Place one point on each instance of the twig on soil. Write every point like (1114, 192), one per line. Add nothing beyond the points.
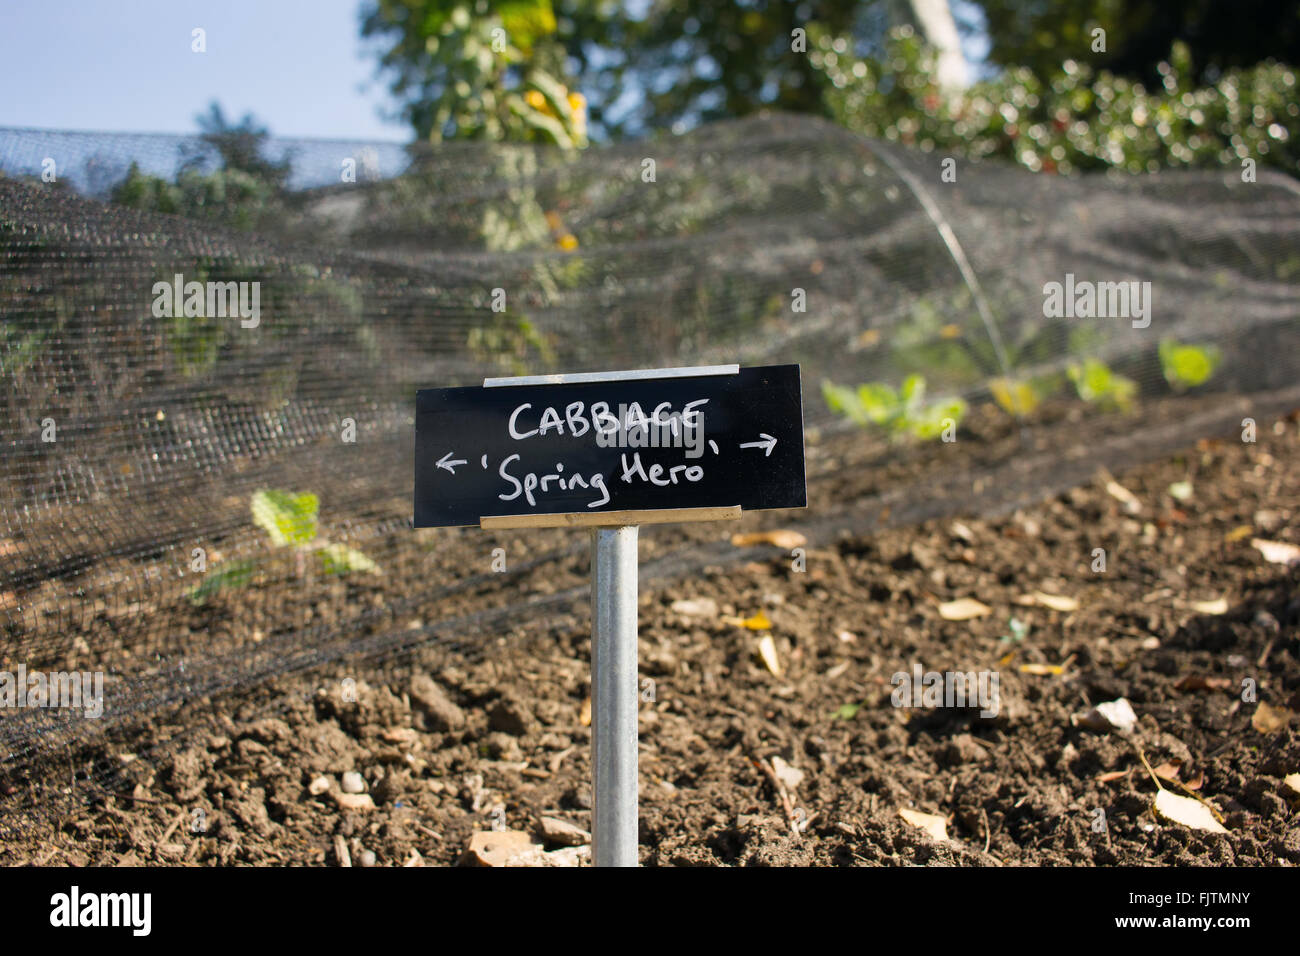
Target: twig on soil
(131, 796)
(1143, 758)
(1268, 649)
(559, 759)
(786, 803)
(988, 834)
(172, 829)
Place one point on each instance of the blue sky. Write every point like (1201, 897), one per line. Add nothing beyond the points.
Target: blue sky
(298, 65)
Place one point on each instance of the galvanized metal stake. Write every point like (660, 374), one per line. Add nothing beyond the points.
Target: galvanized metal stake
(614, 695)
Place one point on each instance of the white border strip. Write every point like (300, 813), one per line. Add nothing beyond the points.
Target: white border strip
(575, 378)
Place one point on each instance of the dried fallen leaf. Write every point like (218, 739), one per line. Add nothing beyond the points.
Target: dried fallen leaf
(1268, 719)
(1123, 496)
(1186, 811)
(584, 715)
(1042, 670)
(696, 607)
(963, 609)
(838, 670)
(790, 776)
(937, 827)
(1057, 602)
(1277, 552)
(1200, 682)
(959, 530)
(1215, 608)
(778, 539)
(767, 651)
(1168, 770)
(1112, 715)
(759, 622)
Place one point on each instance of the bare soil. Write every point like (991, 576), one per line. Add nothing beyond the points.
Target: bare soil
(1025, 787)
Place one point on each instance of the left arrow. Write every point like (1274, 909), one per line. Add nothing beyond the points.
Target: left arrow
(449, 465)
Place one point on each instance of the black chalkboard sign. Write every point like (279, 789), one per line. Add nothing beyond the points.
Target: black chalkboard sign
(625, 444)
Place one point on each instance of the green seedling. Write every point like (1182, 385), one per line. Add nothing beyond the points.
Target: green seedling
(290, 521)
(1187, 366)
(899, 412)
(1014, 397)
(1019, 631)
(847, 711)
(1097, 384)
(232, 574)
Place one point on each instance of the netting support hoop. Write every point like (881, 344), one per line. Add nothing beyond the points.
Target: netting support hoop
(958, 254)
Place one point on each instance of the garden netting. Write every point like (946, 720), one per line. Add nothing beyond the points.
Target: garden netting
(137, 440)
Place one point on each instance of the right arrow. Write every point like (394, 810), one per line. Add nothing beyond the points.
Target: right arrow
(768, 444)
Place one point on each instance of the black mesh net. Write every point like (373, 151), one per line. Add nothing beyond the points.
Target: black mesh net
(135, 442)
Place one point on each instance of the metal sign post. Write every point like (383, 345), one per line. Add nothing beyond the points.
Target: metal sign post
(615, 700)
(624, 445)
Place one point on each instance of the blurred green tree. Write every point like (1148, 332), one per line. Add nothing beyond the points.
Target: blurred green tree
(245, 189)
(483, 69)
(1218, 34)
(654, 65)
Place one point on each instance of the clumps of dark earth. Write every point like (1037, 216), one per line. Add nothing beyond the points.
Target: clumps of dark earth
(768, 732)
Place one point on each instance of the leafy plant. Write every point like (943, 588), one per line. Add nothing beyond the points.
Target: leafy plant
(232, 574)
(901, 411)
(290, 520)
(1096, 383)
(1187, 366)
(1015, 397)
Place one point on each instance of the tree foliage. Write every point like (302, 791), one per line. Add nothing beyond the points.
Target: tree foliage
(1218, 34)
(479, 69)
(243, 189)
(1073, 118)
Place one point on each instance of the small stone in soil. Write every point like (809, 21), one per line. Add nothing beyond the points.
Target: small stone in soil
(440, 712)
(354, 801)
(353, 782)
(509, 717)
(559, 832)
